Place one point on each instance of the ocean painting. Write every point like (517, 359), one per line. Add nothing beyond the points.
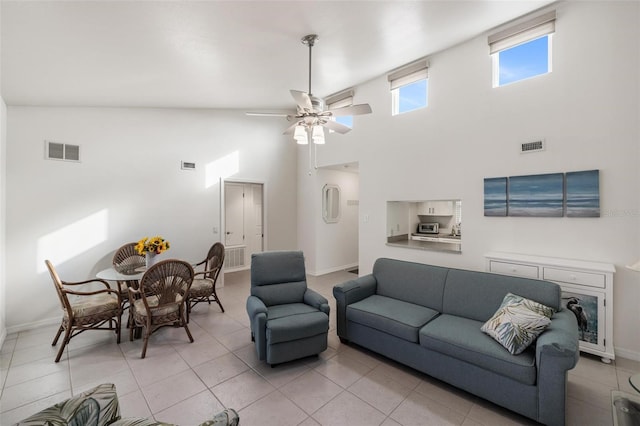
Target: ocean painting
(537, 195)
(495, 196)
(583, 194)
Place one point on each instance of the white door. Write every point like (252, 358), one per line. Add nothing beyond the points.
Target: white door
(257, 235)
(234, 214)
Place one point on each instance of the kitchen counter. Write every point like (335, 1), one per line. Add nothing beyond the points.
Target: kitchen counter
(442, 242)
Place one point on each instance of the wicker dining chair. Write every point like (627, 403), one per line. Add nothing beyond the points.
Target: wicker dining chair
(203, 288)
(160, 299)
(89, 310)
(127, 259)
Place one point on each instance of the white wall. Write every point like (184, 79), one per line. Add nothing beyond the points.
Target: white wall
(3, 162)
(586, 109)
(129, 184)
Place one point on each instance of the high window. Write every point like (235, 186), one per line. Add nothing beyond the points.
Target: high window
(523, 50)
(409, 87)
(341, 100)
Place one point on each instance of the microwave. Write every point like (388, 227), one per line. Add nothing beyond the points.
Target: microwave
(428, 228)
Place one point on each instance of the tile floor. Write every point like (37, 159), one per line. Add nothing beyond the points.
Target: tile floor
(187, 383)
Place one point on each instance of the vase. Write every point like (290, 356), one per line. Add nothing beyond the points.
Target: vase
(150, 258)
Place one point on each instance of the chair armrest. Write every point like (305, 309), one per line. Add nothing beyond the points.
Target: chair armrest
(315, 299)
(557, 351)
(348, 293)
(95, 280)
(210, 271)
(257, 311)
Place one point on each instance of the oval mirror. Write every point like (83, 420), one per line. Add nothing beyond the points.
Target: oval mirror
(331, 203)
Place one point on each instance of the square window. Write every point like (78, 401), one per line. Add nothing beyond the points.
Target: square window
(410, 97)
(523, 61)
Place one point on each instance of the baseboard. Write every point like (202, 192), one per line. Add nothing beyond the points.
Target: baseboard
(628, 354)
(330, 270)
(33, 325)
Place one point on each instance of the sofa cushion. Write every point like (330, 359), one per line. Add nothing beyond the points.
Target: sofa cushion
(297, 326)
(515, 326)
(411, 282)
(279, 311)
(461, 338)
(477, 295)
(398, 318)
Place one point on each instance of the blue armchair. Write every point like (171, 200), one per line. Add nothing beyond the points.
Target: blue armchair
(288, 320)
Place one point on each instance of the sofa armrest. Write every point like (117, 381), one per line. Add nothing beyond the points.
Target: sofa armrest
(348, 293)
(257, 311)
(315, 299)
(557, 351)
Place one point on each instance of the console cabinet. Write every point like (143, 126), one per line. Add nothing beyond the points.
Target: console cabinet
(587, 291)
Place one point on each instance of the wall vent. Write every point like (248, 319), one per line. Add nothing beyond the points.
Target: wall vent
(353, 202)
(234, 257)
(62, 151)
(534, 146)
(187, 165)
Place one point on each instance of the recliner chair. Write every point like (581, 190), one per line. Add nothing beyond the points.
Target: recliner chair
(288, 320)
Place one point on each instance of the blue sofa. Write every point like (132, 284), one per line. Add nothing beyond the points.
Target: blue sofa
(429, 318)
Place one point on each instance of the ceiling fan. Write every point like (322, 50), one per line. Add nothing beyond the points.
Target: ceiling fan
(311, 116)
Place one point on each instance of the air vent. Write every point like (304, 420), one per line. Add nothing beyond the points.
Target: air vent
(62, 151)
(534, 146)
(234, 257)
(186, 165)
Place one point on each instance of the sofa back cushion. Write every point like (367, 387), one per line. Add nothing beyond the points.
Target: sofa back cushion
(477, 295)
(410, 282)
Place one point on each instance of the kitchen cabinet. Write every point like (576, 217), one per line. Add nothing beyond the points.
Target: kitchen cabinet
(587, 291)
(436, 208)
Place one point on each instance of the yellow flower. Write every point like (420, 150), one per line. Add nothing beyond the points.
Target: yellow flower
(155, 244)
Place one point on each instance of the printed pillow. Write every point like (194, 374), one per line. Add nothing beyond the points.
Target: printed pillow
(536, 307)
(515, 327)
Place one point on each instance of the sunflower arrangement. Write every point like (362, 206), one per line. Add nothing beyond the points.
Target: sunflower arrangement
(155, 245)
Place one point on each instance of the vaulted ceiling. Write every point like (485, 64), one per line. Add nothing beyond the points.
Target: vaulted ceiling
(221, 54)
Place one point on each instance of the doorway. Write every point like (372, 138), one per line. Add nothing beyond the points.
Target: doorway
(243, 223)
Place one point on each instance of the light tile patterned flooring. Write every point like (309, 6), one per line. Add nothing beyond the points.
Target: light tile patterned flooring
(187, 383)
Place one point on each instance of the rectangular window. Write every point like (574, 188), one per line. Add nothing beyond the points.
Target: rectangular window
(341, 100)
(523, 50)
(409, 87)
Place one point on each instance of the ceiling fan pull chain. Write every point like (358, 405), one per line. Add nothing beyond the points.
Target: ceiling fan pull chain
(310, 161)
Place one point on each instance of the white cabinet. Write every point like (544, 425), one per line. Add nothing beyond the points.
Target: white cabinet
(436, 208)
(587, 290)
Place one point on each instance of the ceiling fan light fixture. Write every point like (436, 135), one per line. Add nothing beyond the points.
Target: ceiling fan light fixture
(300, 135)
(318, 135)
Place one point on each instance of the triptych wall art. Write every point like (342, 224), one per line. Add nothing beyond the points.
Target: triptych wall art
(574, 194)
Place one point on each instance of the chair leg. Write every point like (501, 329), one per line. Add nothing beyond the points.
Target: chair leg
(118, 326)
(67, 337)
(217, 299)
(55, 339)
(186, 327)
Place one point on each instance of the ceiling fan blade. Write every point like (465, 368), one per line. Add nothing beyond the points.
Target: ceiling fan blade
(267, 114)
(302, 100)
(336, 127)
(290, 129)
(351, 110)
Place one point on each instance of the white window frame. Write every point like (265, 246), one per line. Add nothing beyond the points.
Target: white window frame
(520, 33)
(404, 76)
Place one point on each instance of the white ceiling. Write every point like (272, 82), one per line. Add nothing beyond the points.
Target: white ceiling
(221, 54)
